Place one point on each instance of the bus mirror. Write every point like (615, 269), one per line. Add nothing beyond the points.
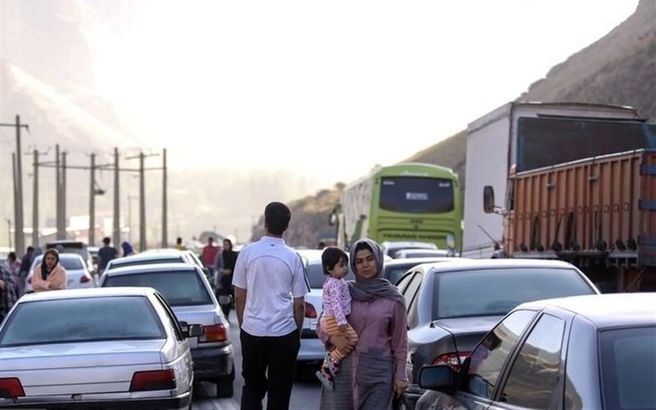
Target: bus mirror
(488, 199)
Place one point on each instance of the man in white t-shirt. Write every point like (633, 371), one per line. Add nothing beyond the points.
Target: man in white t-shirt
(270, 286)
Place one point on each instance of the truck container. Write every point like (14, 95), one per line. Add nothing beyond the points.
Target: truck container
(598, 213)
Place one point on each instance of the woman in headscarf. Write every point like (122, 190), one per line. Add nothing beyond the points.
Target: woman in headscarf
(49, 275)
(374, 373)
(127, 248)
(225, 265)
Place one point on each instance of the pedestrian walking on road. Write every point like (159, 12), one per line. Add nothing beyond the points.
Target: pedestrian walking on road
(209, 255)
(179, 246)
(336, 307)
(106, 253)
(127, 248)
(49, 275)
(375, 373)
(225, 267)
(14, 267)
(270, 286)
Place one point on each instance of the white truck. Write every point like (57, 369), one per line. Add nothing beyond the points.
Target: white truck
(527, 136)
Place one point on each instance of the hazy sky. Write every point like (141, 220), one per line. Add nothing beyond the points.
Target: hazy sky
(328, 88)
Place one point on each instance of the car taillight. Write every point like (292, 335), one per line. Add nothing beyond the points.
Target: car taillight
(310, 311)
(11, 388)
(153, 380)
(452, 359)
(214, 333)
(84, 279)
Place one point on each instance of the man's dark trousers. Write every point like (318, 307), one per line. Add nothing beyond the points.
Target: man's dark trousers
(274, 356)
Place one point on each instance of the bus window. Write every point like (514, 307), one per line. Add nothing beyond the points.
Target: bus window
(416, 194)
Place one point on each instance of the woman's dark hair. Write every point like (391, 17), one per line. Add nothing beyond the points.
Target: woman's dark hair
(44, 267)
(276, 217)
(12, 256)
(363, 245)
(331, 257)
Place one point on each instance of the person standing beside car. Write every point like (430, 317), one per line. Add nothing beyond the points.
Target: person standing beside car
(105, 254)
(225, 266)
(8, 292)
(49, 275)
(270, 286)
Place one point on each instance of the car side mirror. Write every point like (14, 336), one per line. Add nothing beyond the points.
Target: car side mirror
(488, 199)
(441, 378)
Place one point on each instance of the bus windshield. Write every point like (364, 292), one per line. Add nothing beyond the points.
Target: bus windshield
(416, 194)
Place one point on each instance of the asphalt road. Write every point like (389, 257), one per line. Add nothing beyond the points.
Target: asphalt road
(305, 394)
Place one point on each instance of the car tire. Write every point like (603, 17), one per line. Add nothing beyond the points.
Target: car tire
(225, 385)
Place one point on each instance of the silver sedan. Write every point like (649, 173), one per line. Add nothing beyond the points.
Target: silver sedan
(100, 348)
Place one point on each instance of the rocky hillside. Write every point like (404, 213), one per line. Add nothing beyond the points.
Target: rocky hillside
(618, 69)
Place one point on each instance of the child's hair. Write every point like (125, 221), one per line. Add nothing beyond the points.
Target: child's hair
(330, 257)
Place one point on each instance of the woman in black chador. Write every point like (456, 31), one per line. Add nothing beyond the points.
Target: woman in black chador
(224, 268)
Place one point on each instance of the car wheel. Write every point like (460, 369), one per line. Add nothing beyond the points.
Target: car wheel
(224, 388)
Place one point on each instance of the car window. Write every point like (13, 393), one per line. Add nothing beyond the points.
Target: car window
(71, 263)
(487, 360)
(411, 290)
(82, 320)
(179, 288)
(394, 273)
(534, 376)
(316, 277)
(173, 320)
(628, 367)
(495, 292)
(403, 282)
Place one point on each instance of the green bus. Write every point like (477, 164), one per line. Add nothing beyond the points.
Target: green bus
(404, 202)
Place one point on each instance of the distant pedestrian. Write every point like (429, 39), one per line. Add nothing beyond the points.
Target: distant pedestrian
(321, 245)
(179, 246)
(14, 267)
(8, 292)
(26, 261)
(127, 248)
(49, 275)
(336, 306)
(209, 255)
(270, 286)
(106, 253)
(225, 267)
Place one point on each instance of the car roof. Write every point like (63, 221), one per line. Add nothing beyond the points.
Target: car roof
(146, 256)
(87, 292)
(161, 251)
(154, 267)
(311, 254)
(63, 255)
(408, 245)
(473, 264)
(607, 310)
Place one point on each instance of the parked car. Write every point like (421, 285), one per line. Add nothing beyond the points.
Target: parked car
(155, 256)
(95, 348)
(312, 350)
(77, 273)
(71, 246)
(421, 253)
(586, 352)
(391, 247)
(451, 305)
(393, 269)
(186, 289)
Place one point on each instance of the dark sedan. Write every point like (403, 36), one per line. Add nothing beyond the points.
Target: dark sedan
(586, 352)
(452, 305)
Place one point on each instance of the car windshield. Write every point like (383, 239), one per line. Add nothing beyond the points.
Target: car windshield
(491, 292)
(82, 320)
(179, 288)
(123, 263)
(628, 368)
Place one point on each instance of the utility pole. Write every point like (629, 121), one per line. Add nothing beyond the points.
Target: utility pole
(142, 203)
(92, 202)
(16, 200)
(58, 193)
(63, 197)
(164, 202)
(35, 200)
(18, 187)
(116, 233)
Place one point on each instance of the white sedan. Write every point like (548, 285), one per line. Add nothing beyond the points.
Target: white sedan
(77, 273)
(95, 348)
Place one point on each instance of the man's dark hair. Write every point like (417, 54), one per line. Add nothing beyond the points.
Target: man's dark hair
(106, 240)
(179, 240)
(331, 257)
(30, 249)
(276, 217)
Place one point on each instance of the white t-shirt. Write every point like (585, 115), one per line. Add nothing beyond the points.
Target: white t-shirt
(273, 275)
